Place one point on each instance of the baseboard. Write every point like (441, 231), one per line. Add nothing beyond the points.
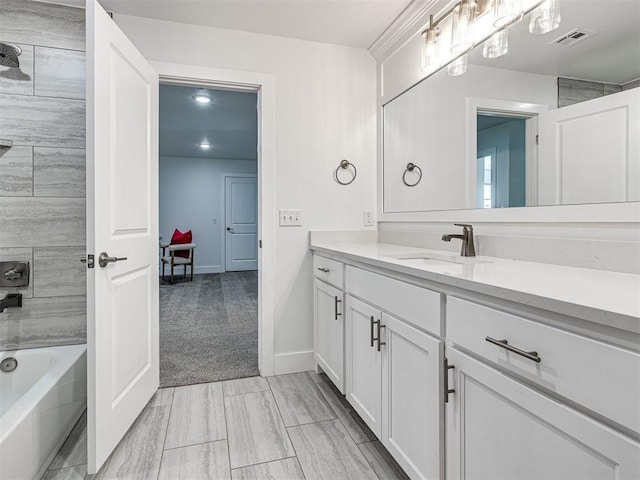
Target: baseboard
(209, 269)
(293, 362)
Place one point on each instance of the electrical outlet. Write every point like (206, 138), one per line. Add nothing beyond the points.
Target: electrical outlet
(368, 218)
(290, 218)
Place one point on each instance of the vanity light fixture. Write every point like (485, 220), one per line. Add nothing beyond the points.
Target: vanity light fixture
(206, 146)
(545, 17)
(506, 12)
(464, 20)
(496, 45)
(202, 97)
(458, 66)
(430, 46)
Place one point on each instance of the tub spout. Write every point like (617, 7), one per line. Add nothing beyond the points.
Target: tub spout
(11, 300)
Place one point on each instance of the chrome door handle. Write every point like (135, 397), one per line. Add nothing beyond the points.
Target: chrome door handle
(504, 344)
(104, 259)
(324, 270)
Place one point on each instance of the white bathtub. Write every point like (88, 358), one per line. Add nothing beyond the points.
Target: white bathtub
(39, 403)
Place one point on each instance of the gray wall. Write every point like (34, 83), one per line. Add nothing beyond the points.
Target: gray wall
(190, 198)
(42, 177)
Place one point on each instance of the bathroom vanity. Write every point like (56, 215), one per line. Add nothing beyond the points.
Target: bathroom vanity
(482, 367)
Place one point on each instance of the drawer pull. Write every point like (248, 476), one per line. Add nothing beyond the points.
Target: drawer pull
(379, 327)
(324, 270)
(446, 391)
(336, 305)
(378, 338)
(504, 344)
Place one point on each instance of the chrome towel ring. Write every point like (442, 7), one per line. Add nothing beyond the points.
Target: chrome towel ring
(410, 168)
(344, 165)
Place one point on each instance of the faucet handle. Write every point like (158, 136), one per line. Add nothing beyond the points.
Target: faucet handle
(464, 225)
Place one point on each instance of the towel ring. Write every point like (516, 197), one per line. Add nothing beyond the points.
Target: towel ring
(345, 164)
(410, 168)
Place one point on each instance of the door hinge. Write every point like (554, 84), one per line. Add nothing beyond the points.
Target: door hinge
(446, 390)
(259, 243)
(89, 261)
(537, 139)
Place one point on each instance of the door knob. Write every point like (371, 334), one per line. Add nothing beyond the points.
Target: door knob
(229, 229)
(104, 259)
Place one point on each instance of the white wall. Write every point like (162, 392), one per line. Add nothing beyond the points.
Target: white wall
(190, 198)
(325, 102)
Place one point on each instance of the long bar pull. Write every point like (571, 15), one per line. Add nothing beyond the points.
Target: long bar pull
(104, 259)
(336, 306)
(372, 324)
(324, 270)
(446, 390)
(379, 337)
(533, 356)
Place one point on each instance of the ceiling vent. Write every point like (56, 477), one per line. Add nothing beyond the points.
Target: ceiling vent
(574, 36)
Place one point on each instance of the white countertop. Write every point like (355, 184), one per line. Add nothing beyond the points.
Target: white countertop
(608, 298)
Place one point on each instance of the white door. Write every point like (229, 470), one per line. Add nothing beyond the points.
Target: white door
(363, 362)
(122, 208)
(498, 428)
(241, 222)
(590, 152)
(412, 402)
(329, 331)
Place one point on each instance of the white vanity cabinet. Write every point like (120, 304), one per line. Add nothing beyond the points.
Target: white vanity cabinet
(393, 369)
(499, 428)
(328, 318)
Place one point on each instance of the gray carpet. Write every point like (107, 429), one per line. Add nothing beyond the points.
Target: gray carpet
(209, 328)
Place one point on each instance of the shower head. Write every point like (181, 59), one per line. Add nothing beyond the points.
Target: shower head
(9, 55)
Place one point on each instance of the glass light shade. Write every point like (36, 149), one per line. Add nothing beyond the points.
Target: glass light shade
(506, 12)
(545, 17)
(496, 45)
(464, 20)
(430, 48)
(458, 67)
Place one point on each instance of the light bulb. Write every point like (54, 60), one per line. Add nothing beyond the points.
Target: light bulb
(202, 97)
(205, 146)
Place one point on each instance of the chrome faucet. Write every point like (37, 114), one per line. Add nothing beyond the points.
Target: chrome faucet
(468, 248)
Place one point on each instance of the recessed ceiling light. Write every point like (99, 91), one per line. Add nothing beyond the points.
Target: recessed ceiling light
(202, 97)
(205, 146)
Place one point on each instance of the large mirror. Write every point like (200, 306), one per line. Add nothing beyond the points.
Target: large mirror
(553, 122)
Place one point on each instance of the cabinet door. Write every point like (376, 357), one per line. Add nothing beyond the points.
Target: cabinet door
(412, 402)
(329, 331)
(498, 428)
(364, 371)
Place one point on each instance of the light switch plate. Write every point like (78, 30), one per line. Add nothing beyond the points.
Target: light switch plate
(290, 218)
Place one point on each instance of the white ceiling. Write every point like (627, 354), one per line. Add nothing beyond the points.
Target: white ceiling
(229, 123)
(611, 56)
(355, 23)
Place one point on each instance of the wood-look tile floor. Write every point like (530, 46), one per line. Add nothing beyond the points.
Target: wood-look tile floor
(288, 427)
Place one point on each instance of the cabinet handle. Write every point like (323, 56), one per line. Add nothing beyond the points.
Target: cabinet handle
(378, 339)
(446, 390)
(372, 324)
(336, 305)
(324, 270)
(504, 344)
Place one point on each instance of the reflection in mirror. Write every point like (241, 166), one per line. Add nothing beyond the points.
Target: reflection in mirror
(553, 122)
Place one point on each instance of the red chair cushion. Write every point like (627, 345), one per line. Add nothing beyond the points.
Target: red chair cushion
(180, 238)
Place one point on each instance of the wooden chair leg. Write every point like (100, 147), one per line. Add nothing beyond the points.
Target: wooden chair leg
(172, 267)
(191, 264)
(163, 265)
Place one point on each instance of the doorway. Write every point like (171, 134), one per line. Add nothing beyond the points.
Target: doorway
(208, 160)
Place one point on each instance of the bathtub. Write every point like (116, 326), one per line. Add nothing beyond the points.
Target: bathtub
(39, 403)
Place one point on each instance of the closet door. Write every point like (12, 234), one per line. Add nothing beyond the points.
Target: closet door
(364, 366)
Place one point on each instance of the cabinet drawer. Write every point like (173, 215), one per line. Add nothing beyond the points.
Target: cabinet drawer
(599, 376)
(415, 305)
(329, 270)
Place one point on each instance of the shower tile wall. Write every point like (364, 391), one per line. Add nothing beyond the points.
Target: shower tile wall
(42, 177)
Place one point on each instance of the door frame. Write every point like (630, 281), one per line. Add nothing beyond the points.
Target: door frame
(264, 85)
(223, 216)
